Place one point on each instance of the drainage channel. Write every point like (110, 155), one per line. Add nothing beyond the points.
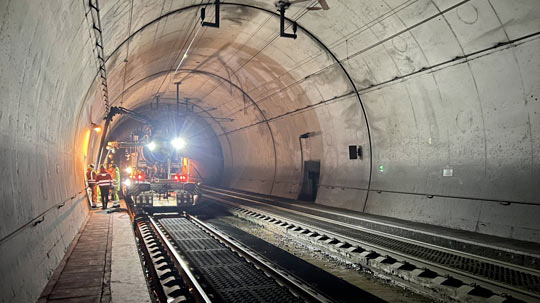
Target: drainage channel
(223, 269)
(447, 272)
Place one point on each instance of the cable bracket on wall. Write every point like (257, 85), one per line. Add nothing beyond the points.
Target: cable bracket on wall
(282, 6)
(216, 17)
(100, 51)
(38, 221)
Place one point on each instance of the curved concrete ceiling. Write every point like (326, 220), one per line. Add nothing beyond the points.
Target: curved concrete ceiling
(441, 95)
(406, 60)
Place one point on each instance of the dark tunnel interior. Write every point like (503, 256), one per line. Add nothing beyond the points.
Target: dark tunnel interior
(436, 100)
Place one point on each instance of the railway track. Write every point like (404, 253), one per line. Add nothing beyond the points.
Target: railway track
(168, 277)
(425, 267)
(188, 260)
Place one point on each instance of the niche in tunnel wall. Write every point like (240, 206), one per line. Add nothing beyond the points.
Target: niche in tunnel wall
(310, 181)
(343, 182)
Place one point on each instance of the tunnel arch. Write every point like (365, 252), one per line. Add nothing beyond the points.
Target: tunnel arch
(408, 78)
(210, 74)
(203, 146)
(304, 30)
(449, 89)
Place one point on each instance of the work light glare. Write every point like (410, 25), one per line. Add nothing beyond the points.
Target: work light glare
(151, 146)
(178, 143)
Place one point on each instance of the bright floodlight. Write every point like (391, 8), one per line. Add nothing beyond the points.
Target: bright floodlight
(151, 146)
(129, 170)
(178, 143)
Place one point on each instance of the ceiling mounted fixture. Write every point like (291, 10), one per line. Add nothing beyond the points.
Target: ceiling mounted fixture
(322, 3)
(282, 6)
(216, 17)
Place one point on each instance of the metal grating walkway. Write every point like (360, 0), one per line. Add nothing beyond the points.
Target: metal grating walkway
(230, 275)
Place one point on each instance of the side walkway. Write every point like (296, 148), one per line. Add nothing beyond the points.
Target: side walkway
(127, 280)
(101, 265)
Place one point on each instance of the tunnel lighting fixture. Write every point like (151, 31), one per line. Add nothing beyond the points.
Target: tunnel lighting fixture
(97, 128)
(178, 143)
(151, 146)
(129, 170)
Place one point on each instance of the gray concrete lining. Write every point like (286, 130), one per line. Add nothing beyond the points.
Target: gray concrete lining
(447, 86)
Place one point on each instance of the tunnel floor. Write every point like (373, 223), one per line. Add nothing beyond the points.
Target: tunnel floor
(101, 265)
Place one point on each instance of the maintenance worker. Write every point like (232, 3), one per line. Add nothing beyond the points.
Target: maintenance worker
(110, 170)
(91, 179)
(104, 181)
(116, 185)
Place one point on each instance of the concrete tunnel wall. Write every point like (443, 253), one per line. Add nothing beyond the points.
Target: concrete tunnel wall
(444, 84)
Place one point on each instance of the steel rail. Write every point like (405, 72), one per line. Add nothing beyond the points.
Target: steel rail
(400, 256)
(306, 292)
(537, 272)
(155, 288)
(383, 234)
(192, 279)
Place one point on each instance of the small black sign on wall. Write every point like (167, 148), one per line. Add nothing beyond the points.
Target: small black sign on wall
(355, 152)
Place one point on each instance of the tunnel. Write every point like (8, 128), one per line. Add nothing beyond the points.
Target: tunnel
(422, 111)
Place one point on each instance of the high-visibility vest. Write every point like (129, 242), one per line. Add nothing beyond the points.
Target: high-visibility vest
(104, 179)
(91, 177)
(117, 178)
